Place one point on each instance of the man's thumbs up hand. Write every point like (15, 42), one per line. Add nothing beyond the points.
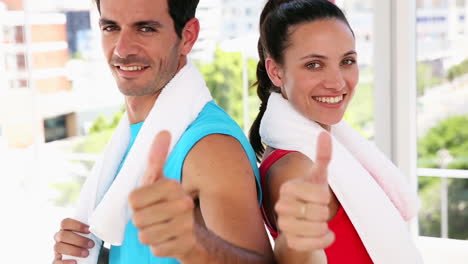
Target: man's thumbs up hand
(162, 211)
(157, 158)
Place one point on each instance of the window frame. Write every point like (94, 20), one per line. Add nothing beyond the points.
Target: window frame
(395, 78)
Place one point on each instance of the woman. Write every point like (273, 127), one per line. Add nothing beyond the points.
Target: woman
(307, 76)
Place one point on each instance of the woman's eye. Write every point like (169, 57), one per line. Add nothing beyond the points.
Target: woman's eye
(349, 62)
(313, 65)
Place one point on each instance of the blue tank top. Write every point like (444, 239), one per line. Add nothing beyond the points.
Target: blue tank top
(211, 120)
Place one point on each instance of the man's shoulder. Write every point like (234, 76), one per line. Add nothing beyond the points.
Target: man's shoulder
(213, 113)
(213, 120)
(212, 124)
(212, 143)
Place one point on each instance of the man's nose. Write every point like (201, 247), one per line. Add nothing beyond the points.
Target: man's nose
(126, 45)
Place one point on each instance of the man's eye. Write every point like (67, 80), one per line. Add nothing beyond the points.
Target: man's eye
(109, 28)
(147, 29)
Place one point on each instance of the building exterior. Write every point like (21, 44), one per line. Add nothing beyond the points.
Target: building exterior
(240, 17)
(209, 15)
(51, 78)
(34, 61)
(225, 20)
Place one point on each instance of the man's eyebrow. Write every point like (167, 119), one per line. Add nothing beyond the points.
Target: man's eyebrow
(104, 21)
(152, 23)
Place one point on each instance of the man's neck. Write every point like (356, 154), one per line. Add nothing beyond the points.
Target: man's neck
(139, 107)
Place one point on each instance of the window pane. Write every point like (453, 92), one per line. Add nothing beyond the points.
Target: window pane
(360, 113)
(442, 112)
(443, 201)
(237, 41)
(224, 49)
(52, 128)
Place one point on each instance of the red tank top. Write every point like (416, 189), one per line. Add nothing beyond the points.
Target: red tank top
(347, 247)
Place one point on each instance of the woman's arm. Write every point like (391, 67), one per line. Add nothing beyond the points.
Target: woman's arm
(285, 254)
(296, 201)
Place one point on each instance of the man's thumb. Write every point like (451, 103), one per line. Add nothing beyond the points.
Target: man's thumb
(157, 157)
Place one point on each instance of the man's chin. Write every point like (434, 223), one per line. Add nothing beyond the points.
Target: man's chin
(135, 90)
(130, 91)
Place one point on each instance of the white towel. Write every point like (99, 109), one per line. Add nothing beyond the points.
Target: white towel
(370, 188)
(103, 202)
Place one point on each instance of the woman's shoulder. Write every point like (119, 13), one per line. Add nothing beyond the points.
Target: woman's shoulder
(287, 164)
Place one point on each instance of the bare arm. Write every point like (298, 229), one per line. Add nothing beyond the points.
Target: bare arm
(224, 227)
(285, 254)
(220, 172)
(302, 237)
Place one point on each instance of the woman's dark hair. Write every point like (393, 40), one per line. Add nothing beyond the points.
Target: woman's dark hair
(181, 12)
(276, 20)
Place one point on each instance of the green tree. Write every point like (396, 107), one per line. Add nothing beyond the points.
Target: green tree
(99, 134)
(426, 78)
(102, 124)
(360, 110)
(69, 190)
(451, 135)
(223, 77)
(457, 70)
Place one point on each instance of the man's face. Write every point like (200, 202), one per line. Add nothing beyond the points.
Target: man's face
(140, 44)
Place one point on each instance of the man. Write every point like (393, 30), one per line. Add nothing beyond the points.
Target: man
(212, 215)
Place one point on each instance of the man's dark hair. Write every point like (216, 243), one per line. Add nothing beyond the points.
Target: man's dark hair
(181, 12)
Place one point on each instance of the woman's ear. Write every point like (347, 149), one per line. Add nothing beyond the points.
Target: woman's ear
(274, 71)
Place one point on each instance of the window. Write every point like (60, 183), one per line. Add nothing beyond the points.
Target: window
(360, 112)
(55, 128)
(21, 62)
(18, 83)
(15, 62)
(44, 179)
(19, 34)
(442, 89)
(13, 34)
(46, 151)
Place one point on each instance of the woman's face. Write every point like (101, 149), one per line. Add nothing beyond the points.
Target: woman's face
(319, 72)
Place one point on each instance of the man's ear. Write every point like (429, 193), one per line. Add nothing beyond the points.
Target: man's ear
(274, 71)
(189, 35)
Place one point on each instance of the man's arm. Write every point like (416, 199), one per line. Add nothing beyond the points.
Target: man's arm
(218, 170)
(210, 248)
(224, 227)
